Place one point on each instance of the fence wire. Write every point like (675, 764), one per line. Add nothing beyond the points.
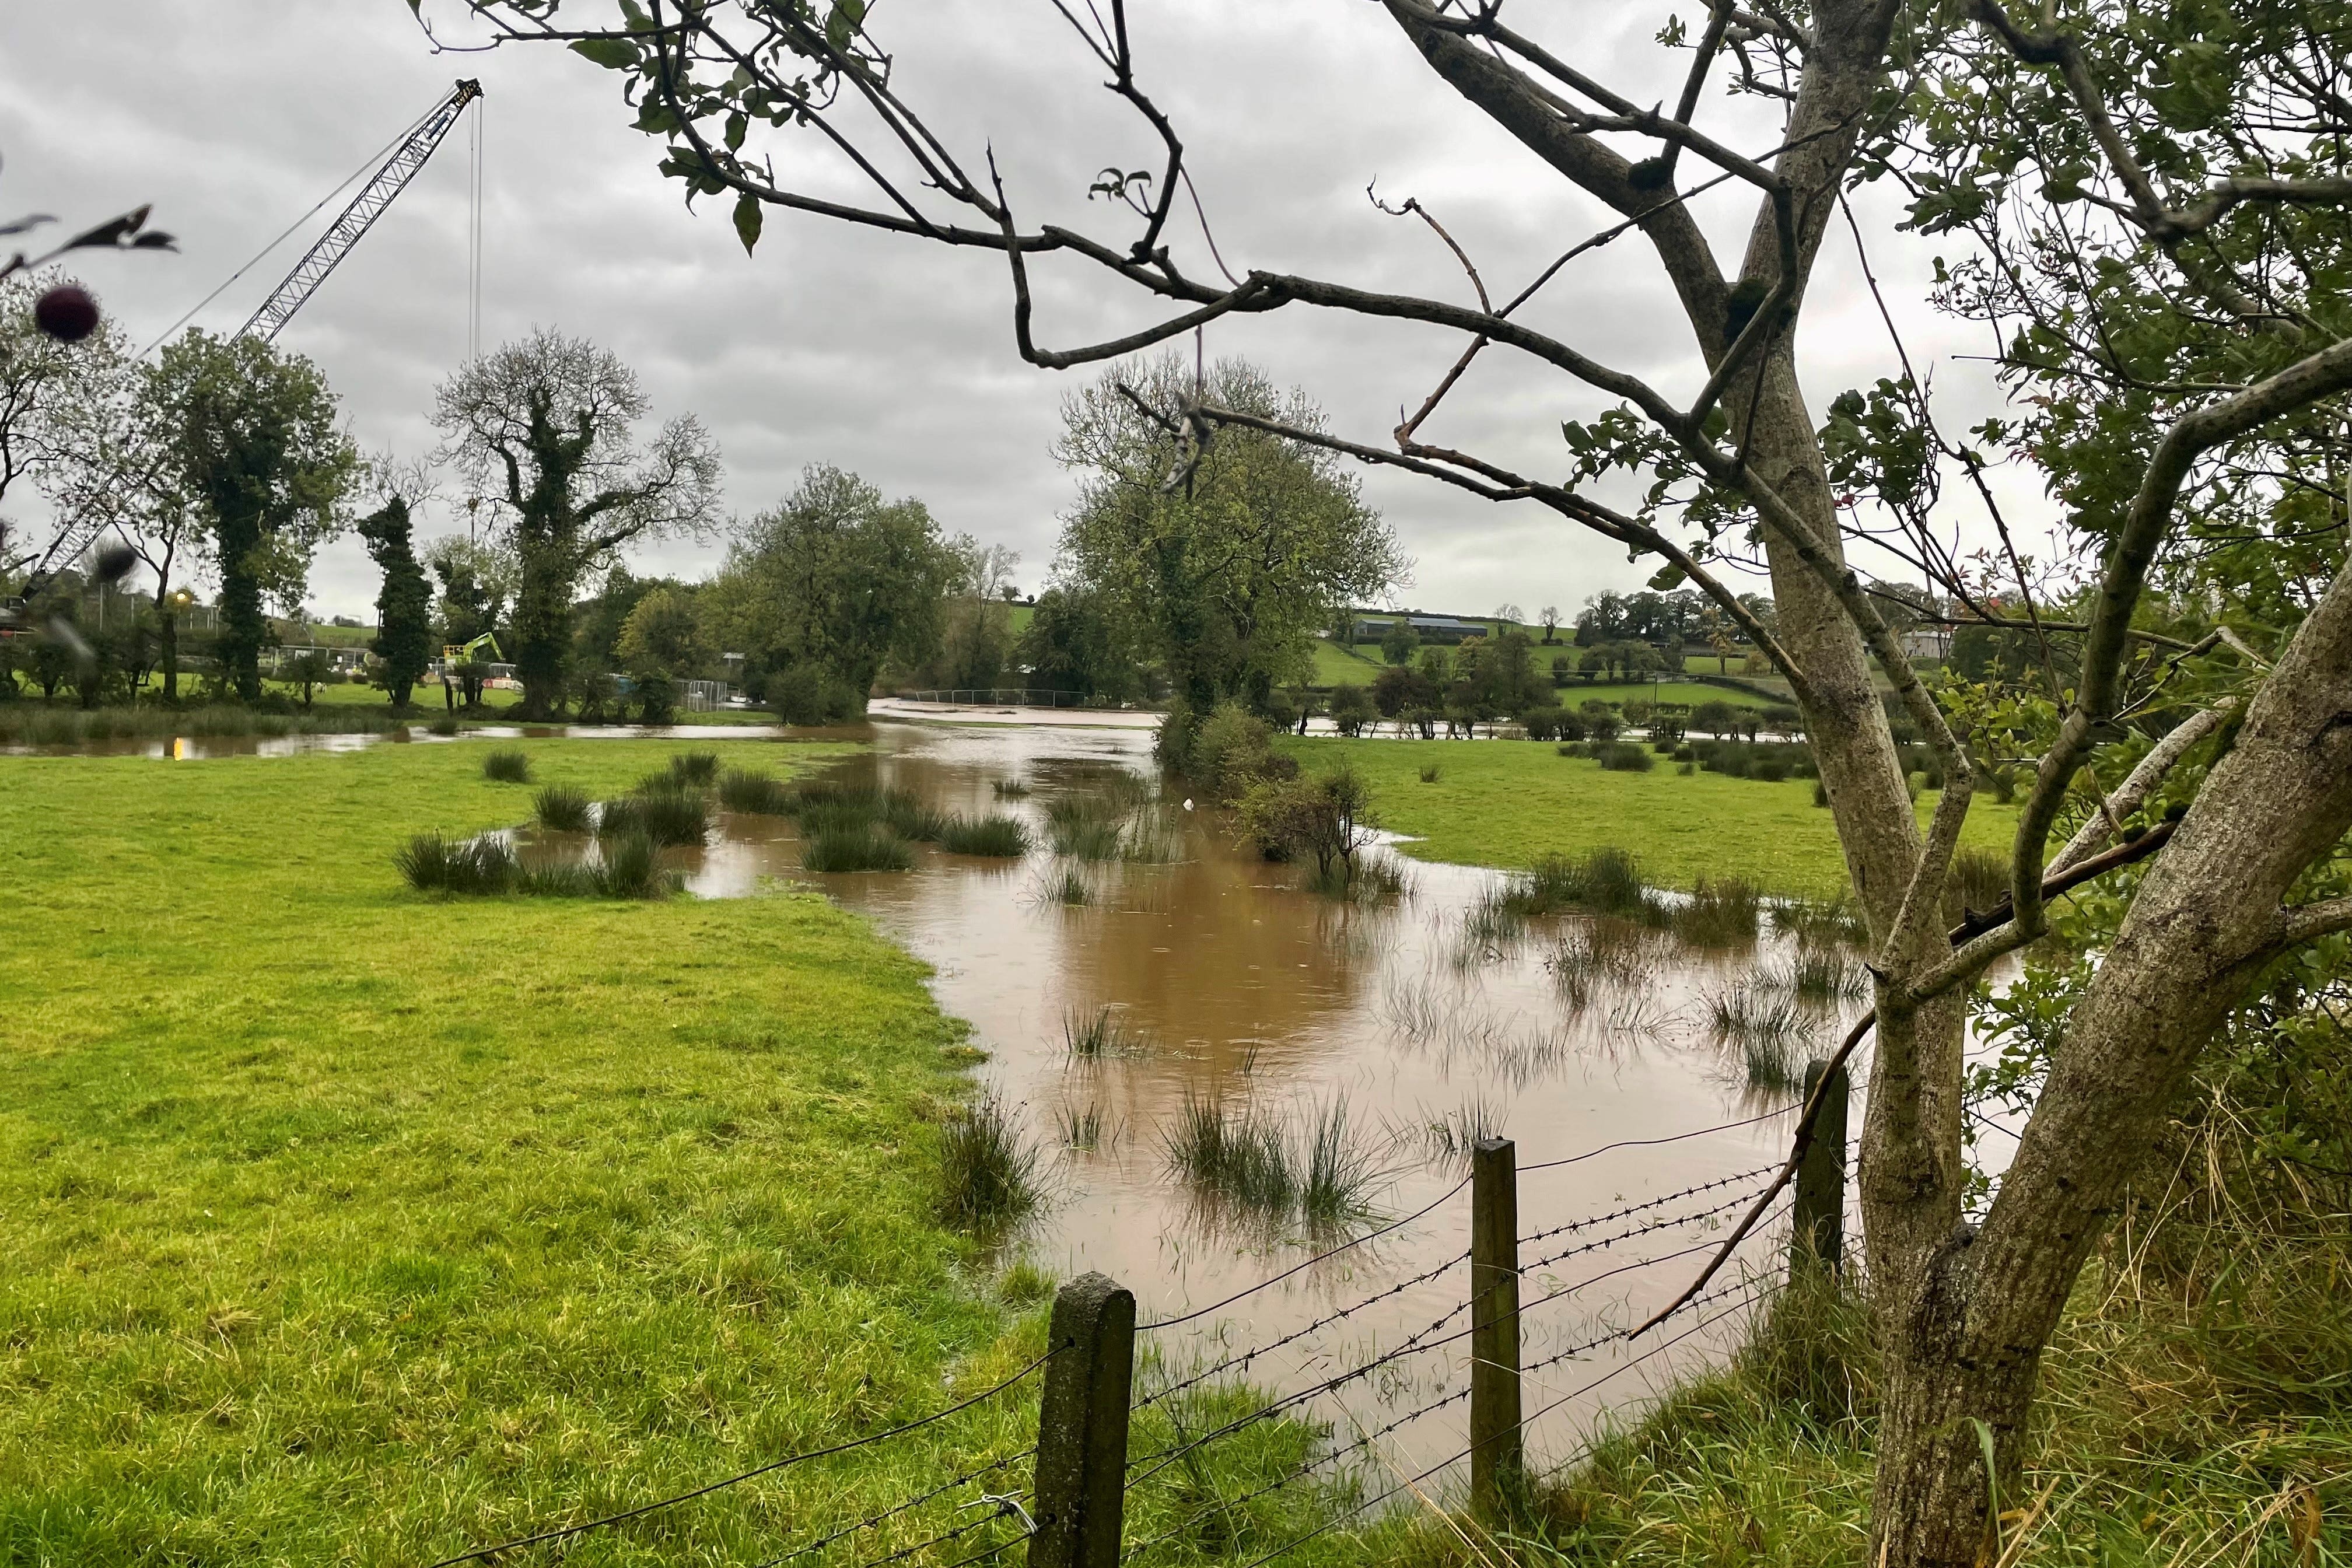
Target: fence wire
(566, 1532)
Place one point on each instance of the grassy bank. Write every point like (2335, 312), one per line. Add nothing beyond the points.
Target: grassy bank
(1503, 802)
(347, 1224)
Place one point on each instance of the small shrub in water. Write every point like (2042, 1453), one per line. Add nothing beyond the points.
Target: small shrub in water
(562, 808)
(1011, 789)
(695, 768)
(1003, 837)
(507, 767)
(445, 725)
(866, 846)
(1070, 887)
(1754, 1016)
(758, 794)
(988, 1170)
(1088, 837)
(904, 812)
(1081, 1129)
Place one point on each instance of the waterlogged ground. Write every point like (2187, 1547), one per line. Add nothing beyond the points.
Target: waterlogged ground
(1402, 1028)
(1230, 985)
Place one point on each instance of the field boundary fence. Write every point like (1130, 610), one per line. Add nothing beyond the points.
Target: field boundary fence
(1070, 1510)
(1006, 696)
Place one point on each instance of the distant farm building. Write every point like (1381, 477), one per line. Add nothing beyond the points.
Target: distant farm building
(1428, 629)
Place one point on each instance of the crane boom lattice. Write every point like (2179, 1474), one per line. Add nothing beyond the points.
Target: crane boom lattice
(366, 207)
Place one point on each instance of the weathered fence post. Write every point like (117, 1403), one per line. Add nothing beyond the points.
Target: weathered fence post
(1497, 1448)
(1082, 1426)
(1817, 1240)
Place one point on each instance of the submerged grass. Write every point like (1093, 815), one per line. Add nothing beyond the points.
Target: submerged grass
(1719, 912)
(856, 847)
(1317, 1167)
(1100, 1034)
(997, 836)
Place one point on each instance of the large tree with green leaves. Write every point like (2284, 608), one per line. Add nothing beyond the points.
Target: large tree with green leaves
(835, 579)
(2159, 197)
(247, 438)
(545, 428)
(404, 607)
(1230, 570)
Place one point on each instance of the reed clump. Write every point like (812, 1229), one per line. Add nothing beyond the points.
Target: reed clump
(660, 809)
(563, 808)
(753, 793)
(1100, 1034)
(996, 835)
(856, 847)
(506, 766)
(1317, 1167)
(988, 1169)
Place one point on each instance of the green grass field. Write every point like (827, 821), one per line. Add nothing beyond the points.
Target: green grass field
(1503, 802)
(345, 1225)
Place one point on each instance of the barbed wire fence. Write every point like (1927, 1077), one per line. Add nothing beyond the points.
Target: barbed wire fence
(1065, 1497)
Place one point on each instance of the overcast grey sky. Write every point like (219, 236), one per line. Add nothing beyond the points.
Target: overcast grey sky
(884, 355)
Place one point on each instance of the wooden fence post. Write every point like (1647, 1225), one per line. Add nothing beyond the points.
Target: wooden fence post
(1497, 1447)
(1817, 1240)
(1082, 1426)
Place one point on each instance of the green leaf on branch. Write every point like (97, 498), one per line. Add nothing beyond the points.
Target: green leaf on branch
(748, 217)
(612, 54)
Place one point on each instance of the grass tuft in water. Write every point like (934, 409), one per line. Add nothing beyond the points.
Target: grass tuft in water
(996, 835)
(1070, 887)
(435, 864)
(445, 726)
(1822, 920)
(1100, 1034)
(988, 1170)
(1083, 1130)
(658, 809)
(856, 847)
(1322, 1170)
(1823, 975)
(507, 767)
(1719, 913)
(695, 770)
(1448, 1137)
(630, 869)
(563, 808)
(1011, 789)
(758, 794)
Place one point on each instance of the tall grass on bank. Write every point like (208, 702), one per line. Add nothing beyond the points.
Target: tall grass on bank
(694, 770)
(36, 724)
(988, 1168)
(2192, 1405)
(486, 865)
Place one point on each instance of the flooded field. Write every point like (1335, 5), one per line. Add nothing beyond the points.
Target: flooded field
(1127, 1004)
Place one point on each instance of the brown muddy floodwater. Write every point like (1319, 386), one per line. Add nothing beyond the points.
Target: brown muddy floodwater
(1232, 986)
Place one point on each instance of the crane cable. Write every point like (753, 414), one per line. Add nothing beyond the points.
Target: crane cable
(474, 247)
(374, 159)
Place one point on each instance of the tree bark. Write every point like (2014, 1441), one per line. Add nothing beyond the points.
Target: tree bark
(2205, 922)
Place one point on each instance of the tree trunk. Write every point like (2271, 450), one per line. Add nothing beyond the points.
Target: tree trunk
(2205, 922)
(168, 642)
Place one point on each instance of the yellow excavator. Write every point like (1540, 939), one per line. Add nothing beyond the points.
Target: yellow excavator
(455, 654)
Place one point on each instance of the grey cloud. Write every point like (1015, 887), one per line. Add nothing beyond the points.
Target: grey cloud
(881, 354)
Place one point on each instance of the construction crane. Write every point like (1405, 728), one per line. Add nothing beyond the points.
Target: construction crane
(366, 207)
(390, 177)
